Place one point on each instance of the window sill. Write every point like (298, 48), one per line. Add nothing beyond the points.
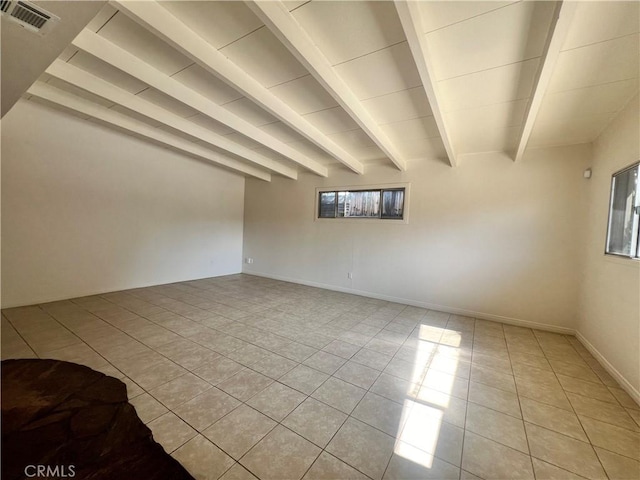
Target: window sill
(622, 260)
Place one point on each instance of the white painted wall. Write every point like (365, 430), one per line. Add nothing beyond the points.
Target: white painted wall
(610, 299)
(491, 238)
(86, 209)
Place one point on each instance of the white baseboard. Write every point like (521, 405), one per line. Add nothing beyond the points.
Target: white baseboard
(431, 306)
(624, 383)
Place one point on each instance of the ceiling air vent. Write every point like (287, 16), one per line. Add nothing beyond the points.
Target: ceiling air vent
(28, 15)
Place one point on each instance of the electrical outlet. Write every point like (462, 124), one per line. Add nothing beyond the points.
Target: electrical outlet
(350, 276)
(248, 260)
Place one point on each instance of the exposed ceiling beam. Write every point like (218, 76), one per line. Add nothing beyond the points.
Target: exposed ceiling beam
(162, 23)
(562, 16)
(136, 67)
(275, 15)
(106, 90)
(409, 14)
(85, 107)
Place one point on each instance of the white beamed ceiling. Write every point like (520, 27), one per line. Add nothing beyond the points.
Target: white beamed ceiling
(485, 58)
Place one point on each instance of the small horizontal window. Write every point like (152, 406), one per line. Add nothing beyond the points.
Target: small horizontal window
(624, 213)
(378, 203)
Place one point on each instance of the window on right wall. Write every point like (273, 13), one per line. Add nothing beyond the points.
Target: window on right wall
(624, 213)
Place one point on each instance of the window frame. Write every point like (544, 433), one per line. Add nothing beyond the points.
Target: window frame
(613, 255)
(365, 188)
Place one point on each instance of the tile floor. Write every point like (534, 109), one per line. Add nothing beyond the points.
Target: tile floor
(241, 377)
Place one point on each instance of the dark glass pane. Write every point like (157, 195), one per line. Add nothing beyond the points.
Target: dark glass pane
(364, 204)
(327, 205)
(623, 216)
(392, 203)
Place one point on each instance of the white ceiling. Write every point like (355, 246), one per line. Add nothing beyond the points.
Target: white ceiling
(286, 87)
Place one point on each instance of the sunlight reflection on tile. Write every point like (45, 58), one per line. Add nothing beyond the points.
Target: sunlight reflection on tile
(413, 454)
(451, 338)
(445, 363)
(429, 333)
(421, 430)
(438, 380)
(434, 397)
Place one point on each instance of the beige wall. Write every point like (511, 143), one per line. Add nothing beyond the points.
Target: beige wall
(610, 300)
(86, 209)
(491, 238)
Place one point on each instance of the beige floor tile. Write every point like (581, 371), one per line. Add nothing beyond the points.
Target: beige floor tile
(606, 412)
(237, 432)
(497, 426)
(196, 358)
(553, 418)
(395, 388)
(542, 393)
(613, 438)
(147, 407)
(304, 379)
(328, 467)
(276, 401)
(274, 366)
(280, 455)
(295, 351)
(410, 371)
(133, 389)
(357, 374)
(249, 355)
(371, 359)
(170, 431)
(180, 390)
(206, 408)
(325, 362)
(79, 353)
(339, 394)
(382, 346)
(410, 463)
(203, 459)
(624, 398)
(497, 364)
(238, 472)
(617, 466)
(565, 452)
(381, 413)
(546, 471)
(16, 348)
(500, 400)
(137, 364)
(492, 378)
(635, 414)
(218, 370)
(464, 475)
(158, 375)
(523, 360)
(544, 377)
(427, 357)
(588, 389)
(583, 372)
(315, 421)
(490, 460)
(245, 384)
(362, 447)
(342, 349)
(410, 352)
